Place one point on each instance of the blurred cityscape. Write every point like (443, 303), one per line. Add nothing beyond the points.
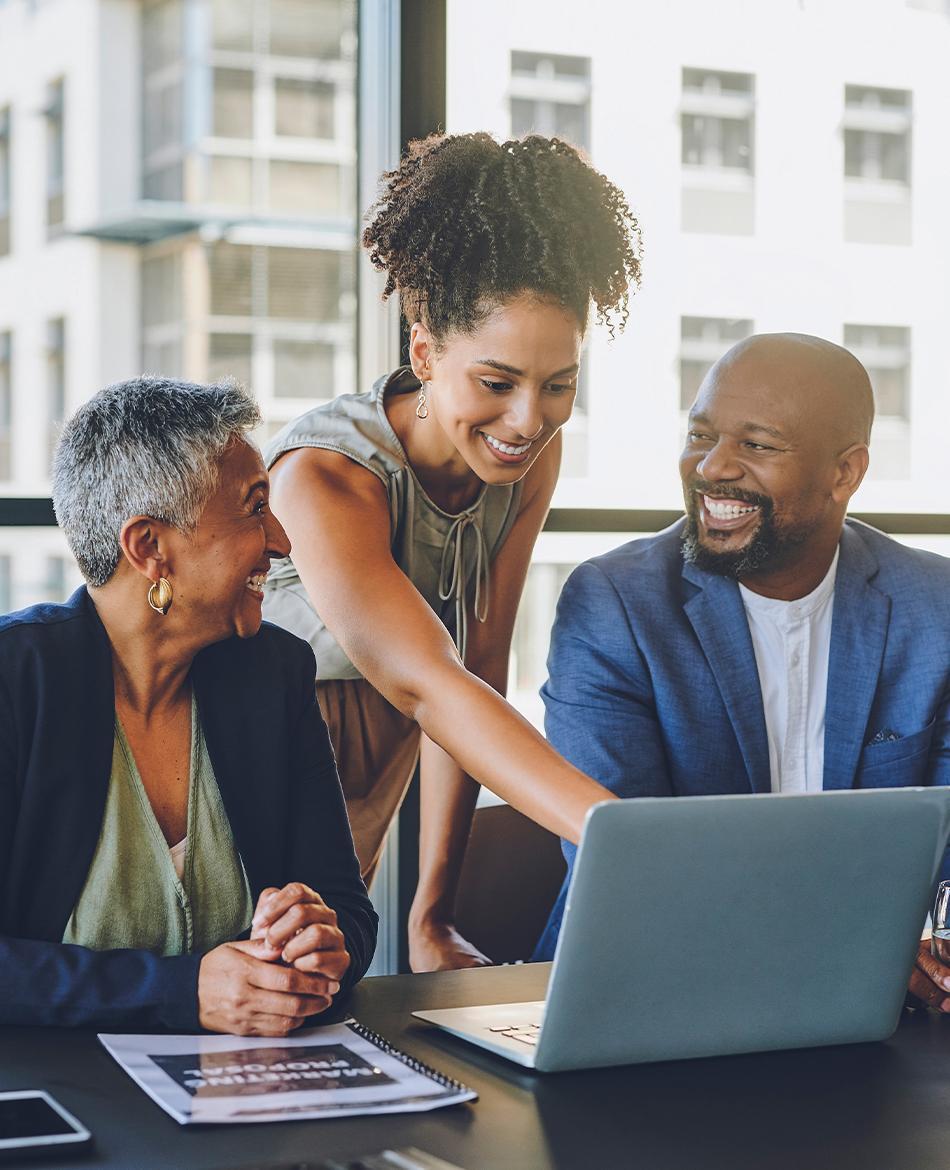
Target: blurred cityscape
(179, 195)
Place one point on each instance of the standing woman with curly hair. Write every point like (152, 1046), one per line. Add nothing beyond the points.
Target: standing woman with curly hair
(413, 508)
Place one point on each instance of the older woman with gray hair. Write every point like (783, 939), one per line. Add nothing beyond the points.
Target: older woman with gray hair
(173, 840)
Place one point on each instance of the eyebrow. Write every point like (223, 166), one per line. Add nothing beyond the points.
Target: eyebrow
(748, 427)
(506, 369)
(257, 485)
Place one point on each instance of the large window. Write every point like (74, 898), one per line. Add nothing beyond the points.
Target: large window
(773, 197)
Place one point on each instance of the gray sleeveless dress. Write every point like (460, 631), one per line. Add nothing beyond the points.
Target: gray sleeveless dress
(446, 556)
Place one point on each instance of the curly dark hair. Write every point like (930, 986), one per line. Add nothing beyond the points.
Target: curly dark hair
(464, 223)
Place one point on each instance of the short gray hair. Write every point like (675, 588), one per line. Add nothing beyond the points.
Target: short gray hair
(147, 447)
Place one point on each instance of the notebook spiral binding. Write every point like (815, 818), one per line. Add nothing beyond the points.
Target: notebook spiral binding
(418, 1066)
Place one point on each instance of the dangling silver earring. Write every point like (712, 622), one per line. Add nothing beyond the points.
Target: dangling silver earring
(422, 407)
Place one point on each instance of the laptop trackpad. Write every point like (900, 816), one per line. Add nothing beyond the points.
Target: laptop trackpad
(510, 1029)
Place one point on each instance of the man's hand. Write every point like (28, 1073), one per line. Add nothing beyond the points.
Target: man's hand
(243, 991)
(440, 947)
(930, 981)
(297, 926)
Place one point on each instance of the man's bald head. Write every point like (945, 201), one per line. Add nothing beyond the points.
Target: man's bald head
(776, 448)
(822, 384)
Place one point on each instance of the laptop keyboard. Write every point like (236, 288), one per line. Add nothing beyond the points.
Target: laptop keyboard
(526, 1033)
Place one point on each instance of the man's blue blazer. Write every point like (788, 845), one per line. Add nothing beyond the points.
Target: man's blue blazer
(653, 688)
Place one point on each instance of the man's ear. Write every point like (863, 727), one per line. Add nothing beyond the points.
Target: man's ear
(144, 544)
(851, 466)
(421, 351)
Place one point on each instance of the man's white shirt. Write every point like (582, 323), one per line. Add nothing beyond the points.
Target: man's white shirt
(792, 642)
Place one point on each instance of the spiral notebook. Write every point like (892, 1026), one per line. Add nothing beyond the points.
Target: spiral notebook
(340, 1070)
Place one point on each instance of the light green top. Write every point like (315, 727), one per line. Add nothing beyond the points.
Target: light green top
(133, 896)
(447, 556)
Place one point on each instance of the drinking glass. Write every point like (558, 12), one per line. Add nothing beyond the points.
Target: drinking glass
(940, 938)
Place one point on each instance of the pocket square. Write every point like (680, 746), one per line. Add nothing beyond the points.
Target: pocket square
(885, 735)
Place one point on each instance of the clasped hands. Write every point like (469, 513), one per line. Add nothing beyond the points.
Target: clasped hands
(289, 969)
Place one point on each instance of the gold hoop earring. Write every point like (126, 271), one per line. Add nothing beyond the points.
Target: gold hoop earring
(422, 407)
(160, 596)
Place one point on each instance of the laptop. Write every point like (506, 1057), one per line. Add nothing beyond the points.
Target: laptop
(708, 925)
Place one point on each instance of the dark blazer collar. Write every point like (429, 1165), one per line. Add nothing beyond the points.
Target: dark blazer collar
(859, 624)
(77, 708)
(717, 616)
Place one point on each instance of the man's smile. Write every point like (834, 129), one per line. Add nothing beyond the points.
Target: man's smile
(722, 514)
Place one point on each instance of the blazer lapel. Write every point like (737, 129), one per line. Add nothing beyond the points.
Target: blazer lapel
(73, 762)
(246, 760)
(718, 618)
(858, 634)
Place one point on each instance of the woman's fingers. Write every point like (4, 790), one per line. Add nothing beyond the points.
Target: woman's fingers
(274, 903)
(296, 920)
(259, 921)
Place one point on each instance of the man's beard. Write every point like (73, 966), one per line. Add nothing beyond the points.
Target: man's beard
(770, 547)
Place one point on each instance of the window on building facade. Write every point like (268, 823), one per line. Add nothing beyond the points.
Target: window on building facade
(271, 129)
(718, 120)
(289, 314)
(877, 134)
(5, 163)
(304, 109)
(550, 95)
(55, 382)
(6, 406)
(233, 109)
(884, 351)
(55, 156)
(703, 340)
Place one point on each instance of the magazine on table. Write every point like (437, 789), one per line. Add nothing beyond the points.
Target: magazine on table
(340, 1070)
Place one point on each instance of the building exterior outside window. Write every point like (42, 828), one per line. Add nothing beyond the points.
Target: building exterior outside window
(877, 135)
(5, 163)
(703, 340)
(717, 151)
(55, 382)
(55, 156)
(718, 120)
(6, 406)
(884, 351)
(251, 107)
(878, 162)
(549, 94)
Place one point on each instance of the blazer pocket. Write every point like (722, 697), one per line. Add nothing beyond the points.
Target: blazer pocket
(896, 763)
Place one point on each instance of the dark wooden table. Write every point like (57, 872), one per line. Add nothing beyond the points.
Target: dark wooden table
(866, 1107)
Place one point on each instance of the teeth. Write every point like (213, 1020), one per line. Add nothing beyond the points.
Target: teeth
(257, 582)
(506, 448)
(724, 510)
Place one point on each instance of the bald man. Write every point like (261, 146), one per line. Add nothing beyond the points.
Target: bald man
(762, 643)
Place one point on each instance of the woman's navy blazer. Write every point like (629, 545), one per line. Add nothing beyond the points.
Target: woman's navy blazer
(273, 764)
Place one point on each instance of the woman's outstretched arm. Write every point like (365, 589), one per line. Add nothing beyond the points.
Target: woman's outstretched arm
(337, 517)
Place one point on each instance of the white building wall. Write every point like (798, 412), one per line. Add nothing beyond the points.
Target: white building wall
(93, 287)
(796, 272)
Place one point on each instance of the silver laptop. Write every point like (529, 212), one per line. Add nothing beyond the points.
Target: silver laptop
(706, 925)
